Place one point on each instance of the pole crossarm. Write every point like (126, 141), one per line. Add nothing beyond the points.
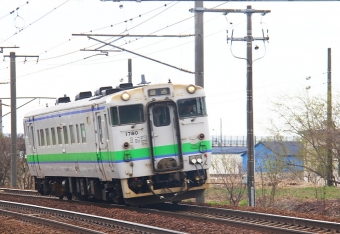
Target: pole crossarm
(132, 35)
(7, 47)
(226, 11)
(248, 38)
(109, 44)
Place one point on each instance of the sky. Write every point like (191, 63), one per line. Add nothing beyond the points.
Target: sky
(300, 35)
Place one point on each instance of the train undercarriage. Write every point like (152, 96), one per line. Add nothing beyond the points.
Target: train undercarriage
(135, 191)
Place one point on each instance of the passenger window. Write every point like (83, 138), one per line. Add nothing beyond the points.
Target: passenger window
(65, 135)
(54, 140)
(100, 130)
(73, 139)
(38, 138)
(60, 137)
(32, 136)
(48, 141)
(83, 133)
(77, 130)
(161, 116)
(42, 138)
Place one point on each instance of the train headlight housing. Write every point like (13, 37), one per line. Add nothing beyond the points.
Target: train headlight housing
(126, 145)
(191, 89)
(125, 96)
(201, 136)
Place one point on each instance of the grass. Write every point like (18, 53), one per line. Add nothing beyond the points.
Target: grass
(219, 195)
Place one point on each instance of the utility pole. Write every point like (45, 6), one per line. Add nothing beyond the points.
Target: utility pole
(199, 45)
(1, 117)
(250, 128)
(329, 121)
(14, 117)
(129, 71)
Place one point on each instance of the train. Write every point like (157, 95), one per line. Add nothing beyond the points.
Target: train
(132, 145)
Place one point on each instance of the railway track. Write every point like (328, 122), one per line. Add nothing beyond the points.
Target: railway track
(65, 219)
(255, 221)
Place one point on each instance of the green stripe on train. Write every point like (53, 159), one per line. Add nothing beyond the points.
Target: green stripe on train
(119, 155)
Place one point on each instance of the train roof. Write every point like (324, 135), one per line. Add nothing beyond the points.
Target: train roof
(92, 100)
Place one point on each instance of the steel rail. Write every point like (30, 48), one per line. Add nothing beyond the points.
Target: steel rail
(246, 216)
(237, 218)
(107, 222)
(48, 222)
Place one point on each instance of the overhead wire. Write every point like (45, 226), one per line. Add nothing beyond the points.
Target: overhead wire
(16, 9)
(35, 21)
(116, 55)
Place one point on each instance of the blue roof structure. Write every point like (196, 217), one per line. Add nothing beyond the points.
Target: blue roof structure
(229, 150)
(286, 149)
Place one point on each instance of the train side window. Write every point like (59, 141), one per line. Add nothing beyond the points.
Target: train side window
(77, 130)
(38, 138)
(100, 129)
(65, 135)
(48, 140)
(29, 136)
(107, 130)
(60, 137)
(54, 140)
(42, 138)
(83, 133)
(73, 139)
(32, 136)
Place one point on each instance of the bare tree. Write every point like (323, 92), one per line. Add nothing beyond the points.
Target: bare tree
(306, 117)
(228, 172)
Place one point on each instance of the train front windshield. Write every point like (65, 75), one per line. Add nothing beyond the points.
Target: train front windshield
(192, 107)
(131, 114)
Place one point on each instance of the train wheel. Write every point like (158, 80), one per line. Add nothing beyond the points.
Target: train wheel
(61, 197)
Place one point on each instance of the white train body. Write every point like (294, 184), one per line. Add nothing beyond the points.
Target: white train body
(139, 150)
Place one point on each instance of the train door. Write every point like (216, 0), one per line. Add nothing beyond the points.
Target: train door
(166, 147)
(33, 149)
(101, 141)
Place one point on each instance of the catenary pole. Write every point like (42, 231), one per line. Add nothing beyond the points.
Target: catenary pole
(329, 120)
(13, 122)
(12, 57)
(199, 59)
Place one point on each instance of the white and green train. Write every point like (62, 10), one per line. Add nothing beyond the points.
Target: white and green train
(132, 145)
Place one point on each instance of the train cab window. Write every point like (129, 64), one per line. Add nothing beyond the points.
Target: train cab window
(42, 137)
(65, 135)
(83, 133)
(191, 107)
(73, 139)
(48, 140)
(131, 114)
(77, 131)
(60, 137)
(54, 140)
(161, 116)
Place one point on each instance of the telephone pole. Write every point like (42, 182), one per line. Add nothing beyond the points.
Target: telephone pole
(329, 120)
(250, 128)
(12, 57)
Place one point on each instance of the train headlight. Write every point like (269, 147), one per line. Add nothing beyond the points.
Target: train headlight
(191, 89)
(125, 96)
(126, 145)
(201, 136)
